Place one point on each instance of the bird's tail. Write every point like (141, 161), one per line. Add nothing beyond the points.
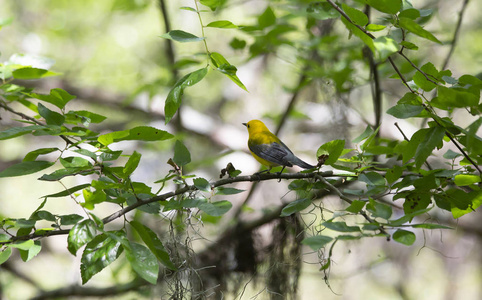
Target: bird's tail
(302, 164)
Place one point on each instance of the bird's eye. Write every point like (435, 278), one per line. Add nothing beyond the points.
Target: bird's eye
(248, 126)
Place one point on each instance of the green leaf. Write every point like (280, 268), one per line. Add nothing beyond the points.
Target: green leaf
(386, 6)
(416, 201)
(86, 153)
(466, 179)
(226, 68)
(299, 185)
(92, 198)
(181, 36)
(333, 149)
(220, 190)
(32, 251)
(151, 240)
(82, 233)
(408, 217)
(70, 219)
(221, 24)
(379, 210)
(43, 215)
(84, 117)
(458, 198)
(61, 173)
(98, 254)
(267, 18)
(132, 164)
(173, 100)
(5, 254)
(357, 16)
(23, 245)
(202, 184)
(405, 111)
(469, 79)
(188, 8)
(23, 223)
(451, 154)
(68, 192)
(212, 4)
(356, 206)
(139, 133)
(32, 155)
(454, 97)
(393, 174)
(404, 237)
(422, 82)
(431, 226)
(32, 73)
(25, 168)
(414, 28)
(75, 162)
(317, 242)
(237, 44)
(375, 27)
(433, 138)
(372, 179)
(18, 131)
(216, 209)
(143, 262)
(321, 11)
(360, 34)
(385, 47)
(368, 131)
(410, 13)
(341, 226)
(57, 97)
(295, 206)
(408, 45)
(181, 154)
(51, 117)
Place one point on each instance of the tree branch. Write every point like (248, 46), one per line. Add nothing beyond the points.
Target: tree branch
(403, 79)
(165, 196)
(456, 33)
(81, 291)
(348, 200)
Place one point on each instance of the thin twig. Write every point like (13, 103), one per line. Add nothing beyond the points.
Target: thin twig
(418, 69)
(405, 138)
(456, 33)
(375, 84)
(399, 129)
(348, 200)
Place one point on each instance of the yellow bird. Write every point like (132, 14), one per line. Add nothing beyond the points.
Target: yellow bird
(269, 150)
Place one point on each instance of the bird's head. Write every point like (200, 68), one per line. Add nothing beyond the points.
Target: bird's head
(255, 126)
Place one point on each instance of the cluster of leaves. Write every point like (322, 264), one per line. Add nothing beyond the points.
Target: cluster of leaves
(400, 26)
(405, 178)
(88, 153)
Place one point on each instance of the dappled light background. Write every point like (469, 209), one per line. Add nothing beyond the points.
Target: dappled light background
(110, 55)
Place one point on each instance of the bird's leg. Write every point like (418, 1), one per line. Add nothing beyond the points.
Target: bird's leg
(280, 172)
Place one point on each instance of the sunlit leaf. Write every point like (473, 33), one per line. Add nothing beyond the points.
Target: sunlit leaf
(25, 168)
(80, 234)
(173, 100)
(181, 36)
(295, 206)
(404, 237)
(151, 240)
(316, 242)
(98, 254)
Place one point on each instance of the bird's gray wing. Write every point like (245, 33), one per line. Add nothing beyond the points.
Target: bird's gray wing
(273, 152)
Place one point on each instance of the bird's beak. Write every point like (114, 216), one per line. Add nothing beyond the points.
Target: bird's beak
(245, 124)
